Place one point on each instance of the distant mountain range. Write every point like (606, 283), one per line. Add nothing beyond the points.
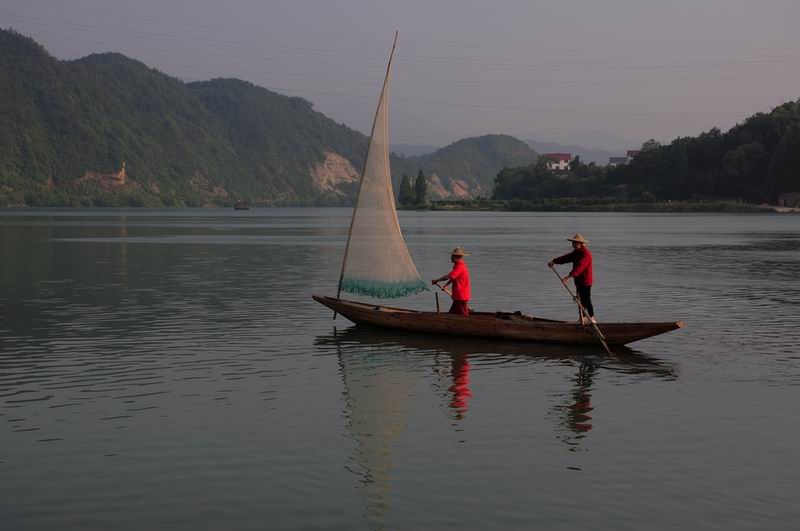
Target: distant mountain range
(108, 130)
(587, 155)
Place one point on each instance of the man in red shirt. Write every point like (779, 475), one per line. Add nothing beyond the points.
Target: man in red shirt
(459, 278)
(581, 259)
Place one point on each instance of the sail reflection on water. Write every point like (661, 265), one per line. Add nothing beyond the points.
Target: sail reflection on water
(378, 383)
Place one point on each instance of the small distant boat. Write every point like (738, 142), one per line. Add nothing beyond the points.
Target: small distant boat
(241, 205)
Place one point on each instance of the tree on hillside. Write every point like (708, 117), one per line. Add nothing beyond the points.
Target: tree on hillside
(420, 189)
(582, 170)
(783, 175)
(641, 174)
(674, 170)
(744, 169)
(533, 182)
(406, 194)
(651, 144)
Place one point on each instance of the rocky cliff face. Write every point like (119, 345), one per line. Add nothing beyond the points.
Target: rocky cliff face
(334, 175)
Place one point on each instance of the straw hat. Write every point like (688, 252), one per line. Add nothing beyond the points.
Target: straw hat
(578, 238)
(458, 251)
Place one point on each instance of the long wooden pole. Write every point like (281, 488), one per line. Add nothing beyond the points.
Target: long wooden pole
(583, 312)
(449, 293)
(364, 170)
(444, 289)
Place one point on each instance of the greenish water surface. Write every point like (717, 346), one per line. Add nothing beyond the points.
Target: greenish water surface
(168, 369)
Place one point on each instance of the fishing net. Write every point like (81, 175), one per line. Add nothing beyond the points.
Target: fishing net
(377, 262)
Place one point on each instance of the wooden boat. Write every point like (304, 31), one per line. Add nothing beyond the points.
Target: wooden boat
(497, 325)
(377, 263)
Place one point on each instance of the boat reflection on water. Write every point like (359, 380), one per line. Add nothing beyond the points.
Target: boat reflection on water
(383, 370)
(387, 344)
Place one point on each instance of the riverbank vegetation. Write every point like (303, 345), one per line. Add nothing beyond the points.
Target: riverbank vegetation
(608, 204)
(752, 163)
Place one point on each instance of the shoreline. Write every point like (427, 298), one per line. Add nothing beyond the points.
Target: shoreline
(484, 206)
(599, 206)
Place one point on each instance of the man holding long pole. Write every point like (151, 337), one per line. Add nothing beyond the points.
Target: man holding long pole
(581, 273)
(459, 278)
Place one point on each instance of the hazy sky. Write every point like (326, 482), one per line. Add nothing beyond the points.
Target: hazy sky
(622, 70)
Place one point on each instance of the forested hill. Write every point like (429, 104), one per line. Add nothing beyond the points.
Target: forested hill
(755, 161)
(67, 127)
(467, 168)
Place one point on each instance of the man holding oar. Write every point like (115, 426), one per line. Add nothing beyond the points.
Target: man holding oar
(581, 259)
(459, 278)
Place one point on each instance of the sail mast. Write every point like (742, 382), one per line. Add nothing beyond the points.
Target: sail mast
(366, 158)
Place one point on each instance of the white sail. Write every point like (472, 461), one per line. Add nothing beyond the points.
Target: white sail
(376, 261)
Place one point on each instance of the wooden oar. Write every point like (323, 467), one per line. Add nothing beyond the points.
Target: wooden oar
(449, 293)
(444, 289)
(583, 312)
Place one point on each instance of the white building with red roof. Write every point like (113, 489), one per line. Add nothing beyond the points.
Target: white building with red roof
(558, 161)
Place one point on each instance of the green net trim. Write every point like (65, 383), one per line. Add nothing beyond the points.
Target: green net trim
(382, 290)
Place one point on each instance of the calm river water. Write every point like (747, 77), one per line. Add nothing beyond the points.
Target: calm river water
(168, 369)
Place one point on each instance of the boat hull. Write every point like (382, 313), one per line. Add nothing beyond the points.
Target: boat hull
(499, 325)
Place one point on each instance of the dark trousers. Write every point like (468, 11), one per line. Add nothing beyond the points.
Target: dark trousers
(585, 296)
(460, 307)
